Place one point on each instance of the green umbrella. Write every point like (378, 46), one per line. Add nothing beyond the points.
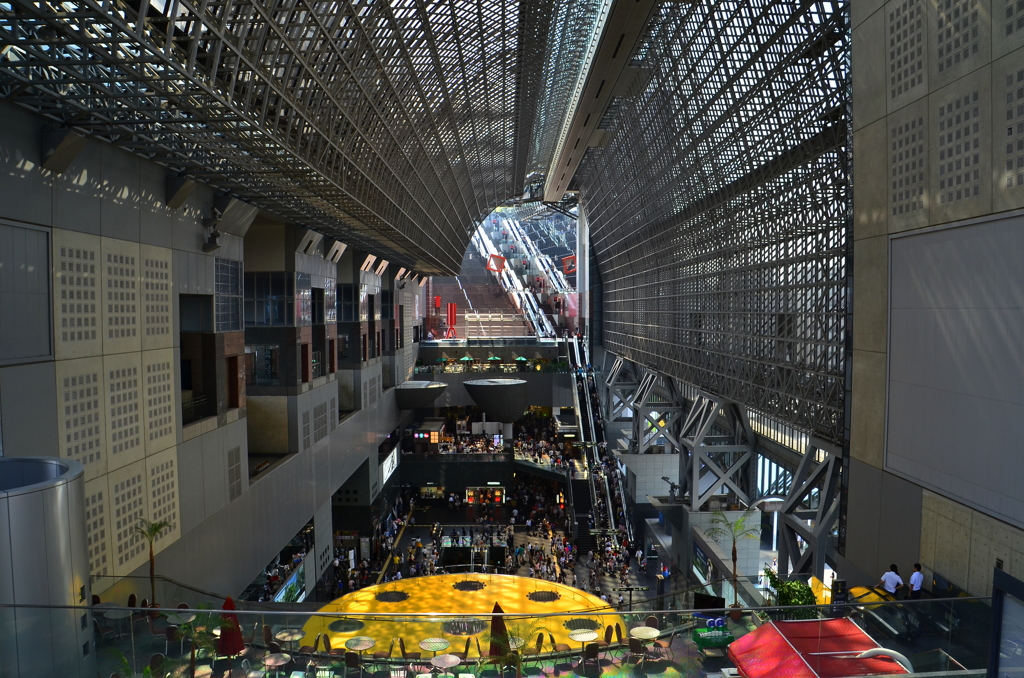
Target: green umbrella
(523, 358)
(466, 357)
(494, 357)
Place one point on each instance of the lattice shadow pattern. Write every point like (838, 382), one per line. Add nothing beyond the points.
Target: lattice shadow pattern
(388, 125)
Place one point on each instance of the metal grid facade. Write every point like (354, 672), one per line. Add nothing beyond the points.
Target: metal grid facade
(394, 126)
(719, 211)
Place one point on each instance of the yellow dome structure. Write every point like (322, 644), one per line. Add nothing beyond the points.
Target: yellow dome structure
(422, 607)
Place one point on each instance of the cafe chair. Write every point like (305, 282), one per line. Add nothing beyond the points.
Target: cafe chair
(536, 650)
(407, 655)
(652, 622)
(590, 654)
(171, 635)
(664, 646)
(381, 655)
(604, 644)
(465, 653)
(103, 632)
(637, 653)
(140, 616)
(558, 647)
(332, 651)
(352, 661)
(311, 649)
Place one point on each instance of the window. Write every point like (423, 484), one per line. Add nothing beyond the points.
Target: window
(305, 430)
(319, 422)
(262, 365)
(303, 300)
(269, 299)
(228, 295)
(234, 473)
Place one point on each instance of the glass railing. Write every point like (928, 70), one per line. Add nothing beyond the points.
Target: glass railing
(491, 367)
(369, 628)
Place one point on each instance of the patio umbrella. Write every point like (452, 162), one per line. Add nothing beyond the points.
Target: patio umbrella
(521, 358)
(230, 642)
(494, 357)
(466, 357)
(499, 634)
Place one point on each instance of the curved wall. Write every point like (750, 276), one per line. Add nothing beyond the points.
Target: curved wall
(44, 561)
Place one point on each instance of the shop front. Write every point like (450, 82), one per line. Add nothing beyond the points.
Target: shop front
(490, 494)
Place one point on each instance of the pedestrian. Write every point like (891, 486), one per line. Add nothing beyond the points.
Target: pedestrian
(891, 580)
(916, 580)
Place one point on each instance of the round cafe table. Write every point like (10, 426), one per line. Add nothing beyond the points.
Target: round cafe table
(645, 633)
(289, 635)
(434, 645)
(445, 661)
(181, 618)
(360, 643)
(276, 661)
(583, 636)
(118, 614)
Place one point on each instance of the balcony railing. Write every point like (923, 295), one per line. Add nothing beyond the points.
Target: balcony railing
(196, 406)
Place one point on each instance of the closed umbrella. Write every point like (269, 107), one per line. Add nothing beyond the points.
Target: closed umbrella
(499, 634)
(230, 642)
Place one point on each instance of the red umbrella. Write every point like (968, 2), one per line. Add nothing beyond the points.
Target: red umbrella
(499, 634)
(230, 642)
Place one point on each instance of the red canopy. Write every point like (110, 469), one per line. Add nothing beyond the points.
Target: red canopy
(809, 649)
(230, 642)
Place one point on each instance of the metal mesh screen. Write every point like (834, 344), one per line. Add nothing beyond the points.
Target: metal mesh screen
(395, 126)
(719, 209)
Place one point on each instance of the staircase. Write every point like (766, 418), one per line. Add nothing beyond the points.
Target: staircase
(476, 291)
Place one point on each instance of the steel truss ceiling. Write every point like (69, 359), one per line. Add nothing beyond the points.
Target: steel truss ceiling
(719, 210)
(394, 126)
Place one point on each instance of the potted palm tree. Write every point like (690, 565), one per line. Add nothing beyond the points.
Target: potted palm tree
(734, 530)
(150, 531)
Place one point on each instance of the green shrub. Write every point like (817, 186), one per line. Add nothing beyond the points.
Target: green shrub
(792, 592)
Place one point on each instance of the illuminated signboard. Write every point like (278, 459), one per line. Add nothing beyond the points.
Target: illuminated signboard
(389, 466)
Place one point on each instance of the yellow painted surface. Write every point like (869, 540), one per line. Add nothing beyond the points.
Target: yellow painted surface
(437, 594)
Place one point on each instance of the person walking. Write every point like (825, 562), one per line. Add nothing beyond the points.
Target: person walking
(891, 580)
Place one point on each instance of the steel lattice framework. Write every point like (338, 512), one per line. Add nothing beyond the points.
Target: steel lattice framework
(395, 126)
(719, 211)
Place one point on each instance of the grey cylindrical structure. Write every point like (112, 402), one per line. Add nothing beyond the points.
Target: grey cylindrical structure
(501, 400)
(412, 395)
(44, 561)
